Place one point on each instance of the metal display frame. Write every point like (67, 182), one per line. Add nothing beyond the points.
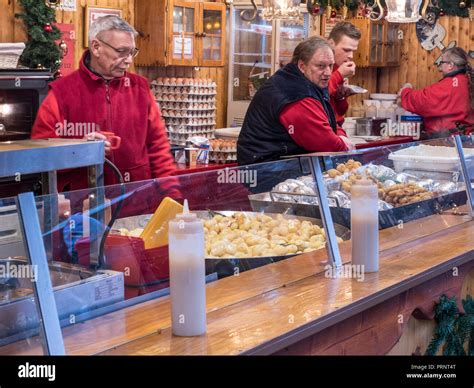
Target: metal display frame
(47, 156)
(50, 328)
(323, 160)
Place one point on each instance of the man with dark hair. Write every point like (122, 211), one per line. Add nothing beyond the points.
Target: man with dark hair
(290, 114)
(344, 39)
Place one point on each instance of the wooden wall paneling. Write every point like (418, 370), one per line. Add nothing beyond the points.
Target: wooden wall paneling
(402, 73)
(19, 30)
(7, 27)
(465, 41)
(412, 50)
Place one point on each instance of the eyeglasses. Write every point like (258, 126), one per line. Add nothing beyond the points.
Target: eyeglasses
(122, 53)
(441, 62)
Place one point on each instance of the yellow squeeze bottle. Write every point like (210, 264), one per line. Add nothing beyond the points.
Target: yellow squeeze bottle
(155, 233)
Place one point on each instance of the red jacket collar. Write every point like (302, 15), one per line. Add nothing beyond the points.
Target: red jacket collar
(96, 77)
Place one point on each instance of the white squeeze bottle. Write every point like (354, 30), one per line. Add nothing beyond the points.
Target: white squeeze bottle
(365, 225)
(187, 274)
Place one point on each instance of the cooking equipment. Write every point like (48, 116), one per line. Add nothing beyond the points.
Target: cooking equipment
(76, 289)
(264, 202)
(228, 266)
(363, 127)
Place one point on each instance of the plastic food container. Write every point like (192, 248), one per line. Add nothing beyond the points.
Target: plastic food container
(431, 158)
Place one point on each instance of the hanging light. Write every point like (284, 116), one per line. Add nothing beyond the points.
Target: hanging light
(403, 11)
(55, 4)
(281, 9)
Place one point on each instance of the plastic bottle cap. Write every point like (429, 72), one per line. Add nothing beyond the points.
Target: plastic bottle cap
(186, 214)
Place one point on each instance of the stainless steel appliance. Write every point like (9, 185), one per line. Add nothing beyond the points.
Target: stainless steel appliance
(21, 93)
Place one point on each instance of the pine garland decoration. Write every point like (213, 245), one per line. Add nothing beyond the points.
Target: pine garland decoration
(450, 7)
(454, 329)
(41, 48)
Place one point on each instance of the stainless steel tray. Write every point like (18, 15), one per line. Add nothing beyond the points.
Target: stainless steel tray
(387, 218)
(229, 266)
(76, 290)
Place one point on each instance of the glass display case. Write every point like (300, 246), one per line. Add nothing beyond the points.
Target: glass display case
(258, 48)
(104, 269)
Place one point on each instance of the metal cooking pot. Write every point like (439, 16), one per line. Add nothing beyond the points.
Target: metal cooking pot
(363, 127)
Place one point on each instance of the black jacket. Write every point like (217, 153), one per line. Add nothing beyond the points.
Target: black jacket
(263, 138)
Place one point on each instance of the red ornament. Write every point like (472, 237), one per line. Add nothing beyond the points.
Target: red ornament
(48, 27)
(333, 14)
(441, 12)
(316, 10)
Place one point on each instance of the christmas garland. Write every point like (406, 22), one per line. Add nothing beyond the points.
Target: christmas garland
(41, 49)
(449, 7)
(454, 329)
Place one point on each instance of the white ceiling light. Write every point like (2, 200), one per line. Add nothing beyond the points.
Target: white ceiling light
(281, 9)
(403, 11)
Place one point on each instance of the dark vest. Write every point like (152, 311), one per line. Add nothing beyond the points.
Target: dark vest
(263, 138)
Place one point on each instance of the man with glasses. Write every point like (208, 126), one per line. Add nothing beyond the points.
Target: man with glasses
(102, 96)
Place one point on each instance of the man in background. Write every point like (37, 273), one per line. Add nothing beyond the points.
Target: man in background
(344, 39)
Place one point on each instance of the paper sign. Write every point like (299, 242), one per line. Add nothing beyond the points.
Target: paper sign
(68, 5)
(182, 46)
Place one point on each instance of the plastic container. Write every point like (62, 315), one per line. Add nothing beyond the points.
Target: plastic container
(365, 225)
(187, 274)
(430, 158)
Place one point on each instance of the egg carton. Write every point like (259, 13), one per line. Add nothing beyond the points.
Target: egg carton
(188, 131)
(184, 91)
(183, 98)
(183, 106)
(193, 122)
(223, 157)
(178, 81)
(189, 115)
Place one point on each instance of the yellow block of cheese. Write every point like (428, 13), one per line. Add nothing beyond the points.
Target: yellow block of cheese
(155, 233)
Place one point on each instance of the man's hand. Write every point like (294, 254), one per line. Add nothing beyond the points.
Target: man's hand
(342, 92)
(99, 136)
(350, 145)
(407, 85)
(347, 69)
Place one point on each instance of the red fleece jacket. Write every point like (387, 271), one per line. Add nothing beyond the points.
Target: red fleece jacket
(124, 106)
(340, 106)
(441, 104)
(308, 125)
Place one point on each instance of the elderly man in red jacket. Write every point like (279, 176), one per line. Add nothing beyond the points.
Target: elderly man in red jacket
(447, 103)
(344, 39)
(103, 96)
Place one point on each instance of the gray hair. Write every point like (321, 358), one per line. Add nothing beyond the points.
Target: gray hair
(109, 23)
(306, 49)
(457, 56)
(460, 58)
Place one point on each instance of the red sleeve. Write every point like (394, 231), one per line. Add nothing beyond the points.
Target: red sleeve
(341, 132)
(340, 106)
(308, 125)
(47, 118)
(159, 152)
(335, 81)
(433, 100)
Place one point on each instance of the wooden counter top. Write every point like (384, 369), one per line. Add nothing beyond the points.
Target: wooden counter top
(265, 309)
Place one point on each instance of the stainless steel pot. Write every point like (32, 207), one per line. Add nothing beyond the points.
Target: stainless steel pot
(363, 127)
